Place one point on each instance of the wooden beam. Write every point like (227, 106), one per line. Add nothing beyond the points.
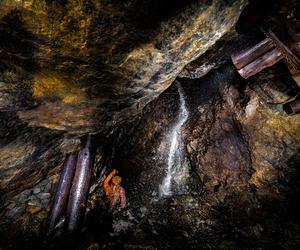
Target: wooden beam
(265, 61)
(246, 56)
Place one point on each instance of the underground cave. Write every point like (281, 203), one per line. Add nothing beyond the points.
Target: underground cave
(138, 124)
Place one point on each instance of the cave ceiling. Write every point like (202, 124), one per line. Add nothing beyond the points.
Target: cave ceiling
(82, 66)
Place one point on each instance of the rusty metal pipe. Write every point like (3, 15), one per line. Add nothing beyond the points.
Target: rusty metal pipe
(62, 191)
(80, 185)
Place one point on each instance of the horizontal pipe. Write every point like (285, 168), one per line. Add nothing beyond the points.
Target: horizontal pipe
(62, 191)
(80, 185)
(246, 56)
(265, 61)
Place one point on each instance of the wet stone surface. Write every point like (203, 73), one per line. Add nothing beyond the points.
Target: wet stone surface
(243, 155)
(241, 151)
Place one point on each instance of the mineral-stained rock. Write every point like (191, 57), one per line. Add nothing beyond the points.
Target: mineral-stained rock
(12, 98)
(26, 154)
(33, 209)
(82, 68)
(274, 137)
(42, 215)
(87, 65)
(243, 152)
(34, 202)
(218, 55)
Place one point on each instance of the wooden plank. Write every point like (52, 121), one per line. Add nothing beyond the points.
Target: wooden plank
(265, 61)
(246, 56)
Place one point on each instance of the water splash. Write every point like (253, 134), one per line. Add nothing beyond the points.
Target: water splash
(175, 170)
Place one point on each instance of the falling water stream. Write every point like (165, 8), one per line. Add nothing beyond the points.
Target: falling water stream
(175, 165)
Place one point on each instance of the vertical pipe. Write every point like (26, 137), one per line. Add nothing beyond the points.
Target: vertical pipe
(80, 186)
(62, 191)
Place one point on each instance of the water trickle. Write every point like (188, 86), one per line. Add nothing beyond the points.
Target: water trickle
(175, 164)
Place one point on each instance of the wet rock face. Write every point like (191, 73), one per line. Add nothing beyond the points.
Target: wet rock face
(216, 147)
(242, 152)
(273, 136)
(83, 68)
(88, 66)
(222, 156)
(217, 144)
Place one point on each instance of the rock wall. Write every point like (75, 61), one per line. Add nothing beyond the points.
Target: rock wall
(82, 67)
(26, 212)
(242, 151)
(68, 68)
(238, 192)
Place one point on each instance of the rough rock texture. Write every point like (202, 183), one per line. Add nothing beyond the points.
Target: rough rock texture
(87, 65)
(274, 137)
(82, 68)
(27, 155)
(26, 212)
(280, 15)
(243, 153)
(219, 54)
(239, 193)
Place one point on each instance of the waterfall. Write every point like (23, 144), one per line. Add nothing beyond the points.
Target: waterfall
(175, 170)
